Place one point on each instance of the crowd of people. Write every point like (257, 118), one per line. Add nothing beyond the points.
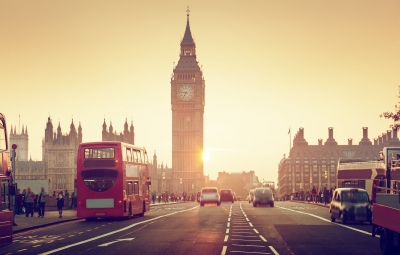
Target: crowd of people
(166, 197)
(314, 195)
(27, 202)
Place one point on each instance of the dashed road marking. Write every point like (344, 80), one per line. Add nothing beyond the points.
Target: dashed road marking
(273, 250)
(255, 230)
(226, 238)
(263, 238)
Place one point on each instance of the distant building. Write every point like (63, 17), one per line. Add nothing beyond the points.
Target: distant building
(249, 179)
(59, 153)
(161, 177)
(22, 141)
(25, 168)
(128, 136)
(315, 165)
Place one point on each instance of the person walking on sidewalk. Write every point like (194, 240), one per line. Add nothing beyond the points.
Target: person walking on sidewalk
(60, 203)
(29, 202)
(41, 202)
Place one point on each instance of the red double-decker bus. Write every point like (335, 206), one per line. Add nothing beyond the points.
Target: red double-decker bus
(6, 214)
(112, 180)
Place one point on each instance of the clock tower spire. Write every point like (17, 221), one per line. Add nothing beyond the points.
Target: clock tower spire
(187, 104)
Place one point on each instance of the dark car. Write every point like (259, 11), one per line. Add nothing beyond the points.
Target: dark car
(226, 195)
(263, 196)
(350, 204)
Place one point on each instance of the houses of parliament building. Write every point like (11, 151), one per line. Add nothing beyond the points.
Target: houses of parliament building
(315, 165)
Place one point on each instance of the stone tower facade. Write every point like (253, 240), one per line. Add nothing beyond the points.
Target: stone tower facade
(128, 136)
(59, 153)
(22, 141)
(187, 104)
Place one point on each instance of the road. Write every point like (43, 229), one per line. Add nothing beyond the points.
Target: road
(187, 228)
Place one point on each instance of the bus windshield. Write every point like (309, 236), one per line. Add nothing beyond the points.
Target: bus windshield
(99, 180)
(99, 153)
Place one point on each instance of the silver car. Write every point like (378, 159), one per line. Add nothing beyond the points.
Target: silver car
(209, 195)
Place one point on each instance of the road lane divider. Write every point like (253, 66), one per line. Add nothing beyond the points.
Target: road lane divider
(326, 220)
(115, 231)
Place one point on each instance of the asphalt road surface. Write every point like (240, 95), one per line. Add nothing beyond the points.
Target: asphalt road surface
(187, 228)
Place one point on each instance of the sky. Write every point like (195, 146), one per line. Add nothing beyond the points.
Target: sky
(269, 66)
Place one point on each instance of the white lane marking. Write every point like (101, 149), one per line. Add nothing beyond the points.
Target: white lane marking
(263, 238)
(227, 231)
(323, 219)
(243, 236)
(227, 225)
(242, 232)
(118, 240)
(250, 252)
(273, 250)
(250, 245)
(255, 230)
(244, 240)
(247, 219)
(224, 250)
(238, 223)
(251, 225)
(226, 238)
(229, 219)
(115, 231)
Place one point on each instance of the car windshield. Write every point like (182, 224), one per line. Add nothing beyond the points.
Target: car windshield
(263, 191)
(355, 197)
(209, 191)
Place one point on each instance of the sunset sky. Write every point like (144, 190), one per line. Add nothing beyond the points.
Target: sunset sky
(268, 66)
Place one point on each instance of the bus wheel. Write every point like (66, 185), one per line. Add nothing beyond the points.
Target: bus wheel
(130, 211)
(386, 242)
(143, 210)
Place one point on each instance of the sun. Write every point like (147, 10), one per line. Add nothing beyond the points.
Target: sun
(205, 156)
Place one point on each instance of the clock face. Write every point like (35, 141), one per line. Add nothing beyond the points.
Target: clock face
(185, 92)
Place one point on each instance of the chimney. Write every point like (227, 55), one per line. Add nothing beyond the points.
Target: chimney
(395, 134)
(320, 142)
(365, 140)
(384, 138)
(389, 135)
(375, 141)
(380, 140)
(330, 130)
(365, 132)
(349, 141)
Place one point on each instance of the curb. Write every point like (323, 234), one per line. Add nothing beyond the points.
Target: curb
(44, 225)
(308, 203)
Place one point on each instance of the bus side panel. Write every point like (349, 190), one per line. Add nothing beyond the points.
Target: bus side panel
(5, 227)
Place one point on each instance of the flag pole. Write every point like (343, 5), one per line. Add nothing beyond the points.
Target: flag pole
(290, 139)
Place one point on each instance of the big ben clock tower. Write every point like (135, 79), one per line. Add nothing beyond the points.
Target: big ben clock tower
(187, 104)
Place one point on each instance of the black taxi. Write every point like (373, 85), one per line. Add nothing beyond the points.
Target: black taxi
(350, 204)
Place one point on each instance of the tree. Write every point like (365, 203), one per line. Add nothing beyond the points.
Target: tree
(395, 116)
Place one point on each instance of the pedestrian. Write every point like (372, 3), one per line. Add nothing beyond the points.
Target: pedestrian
(41, 202)
(314, 194)
(19, 202)
(60, 203)
(29, 202)
(73, 200)
(66, 198)
(54, 193)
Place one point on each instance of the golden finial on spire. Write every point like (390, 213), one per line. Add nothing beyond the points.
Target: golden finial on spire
(187, 11)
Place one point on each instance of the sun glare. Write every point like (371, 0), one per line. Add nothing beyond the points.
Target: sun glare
(206, 156)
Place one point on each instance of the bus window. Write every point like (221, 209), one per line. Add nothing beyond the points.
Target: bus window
(100, 179)
(129, 157)
(4, 194)
(129, 187)
(99, 153)
(3, 145)
(135, 187)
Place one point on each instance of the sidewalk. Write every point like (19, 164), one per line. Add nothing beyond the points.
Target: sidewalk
(310, 203)
(50, 218)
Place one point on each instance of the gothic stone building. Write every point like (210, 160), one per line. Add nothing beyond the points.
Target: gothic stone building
(315, 165)
(128, 136)
(59, 153)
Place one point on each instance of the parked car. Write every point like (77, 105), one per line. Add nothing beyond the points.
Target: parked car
(209, 195)
(251, 194)
(263, 196)
(226, 195)
(350, 204)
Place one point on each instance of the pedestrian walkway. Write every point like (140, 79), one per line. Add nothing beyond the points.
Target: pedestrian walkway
(50, 218)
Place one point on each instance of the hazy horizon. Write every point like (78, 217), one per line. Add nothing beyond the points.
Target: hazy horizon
(268, 66)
